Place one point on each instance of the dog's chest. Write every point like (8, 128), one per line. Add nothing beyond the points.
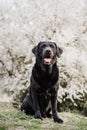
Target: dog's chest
(46, 81)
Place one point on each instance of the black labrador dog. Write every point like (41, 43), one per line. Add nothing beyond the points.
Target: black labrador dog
(42, 97)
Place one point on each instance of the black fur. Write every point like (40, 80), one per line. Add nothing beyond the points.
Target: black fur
(44, 82)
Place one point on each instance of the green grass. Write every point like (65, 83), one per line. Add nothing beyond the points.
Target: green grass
(12, 119)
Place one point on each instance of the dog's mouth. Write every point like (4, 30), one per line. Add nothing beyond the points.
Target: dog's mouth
(47, 60)
(48, 57)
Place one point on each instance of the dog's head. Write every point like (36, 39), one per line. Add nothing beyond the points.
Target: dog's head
(46, 52)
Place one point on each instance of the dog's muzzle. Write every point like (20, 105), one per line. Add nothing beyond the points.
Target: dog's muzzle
(47, 56)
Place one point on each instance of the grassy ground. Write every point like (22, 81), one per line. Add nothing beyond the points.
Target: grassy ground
(12, 119)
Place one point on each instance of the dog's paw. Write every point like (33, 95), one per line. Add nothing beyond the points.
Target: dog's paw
(38, 115)
(57, 119)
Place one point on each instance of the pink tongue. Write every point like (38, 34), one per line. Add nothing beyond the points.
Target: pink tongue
(47, 60)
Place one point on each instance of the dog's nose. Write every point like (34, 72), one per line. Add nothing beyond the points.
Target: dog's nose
(48, 51)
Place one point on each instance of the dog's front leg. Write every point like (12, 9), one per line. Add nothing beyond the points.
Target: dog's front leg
(36, 104)
(54, 108)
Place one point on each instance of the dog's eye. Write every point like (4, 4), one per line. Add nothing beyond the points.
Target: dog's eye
(43, 46)
(52, 46)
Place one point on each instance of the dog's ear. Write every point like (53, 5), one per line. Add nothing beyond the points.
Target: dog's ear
(34, 50)
(59, 51)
